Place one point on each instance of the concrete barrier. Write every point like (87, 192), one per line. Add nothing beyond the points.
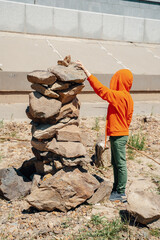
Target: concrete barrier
(113, 27)
(90, 25)
(39, 20)
(17, 82)
(152, 31)
(27, 18)
(133, 29)
(65, 22)
(12, 16)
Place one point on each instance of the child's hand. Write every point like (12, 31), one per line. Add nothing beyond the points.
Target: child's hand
(80, 65)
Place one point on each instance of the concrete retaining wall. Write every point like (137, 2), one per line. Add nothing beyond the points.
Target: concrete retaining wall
(17, 82)
(35, 19)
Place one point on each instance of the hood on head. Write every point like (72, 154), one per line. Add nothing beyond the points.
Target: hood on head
(122, 80)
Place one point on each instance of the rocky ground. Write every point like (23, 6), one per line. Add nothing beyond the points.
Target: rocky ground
(20, 221)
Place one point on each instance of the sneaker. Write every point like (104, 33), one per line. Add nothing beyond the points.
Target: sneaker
(115, 196)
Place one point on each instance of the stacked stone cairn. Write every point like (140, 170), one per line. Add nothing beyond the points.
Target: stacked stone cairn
(56, 139)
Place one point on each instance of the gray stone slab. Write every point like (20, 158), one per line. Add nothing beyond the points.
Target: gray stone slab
(90, 25)
(65, 22)
(39, 20)
(12, 16)
(152, 31)
(133, 29)
(112, 27)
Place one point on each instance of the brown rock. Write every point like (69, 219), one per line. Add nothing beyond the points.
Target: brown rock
(42, 77)
(144, 206)
(70, 110)
(104, 190)
(42, 107)
(13, 184)
(58, 85)
(44, 91)
(65, 190)
(69, 74)
(69, 94)
(58, 165)
(39, 145)
(46, 131)
(78, 161)
(66, 149)
(69, 133)
(44, 167)
(35, 182)
(65, 62)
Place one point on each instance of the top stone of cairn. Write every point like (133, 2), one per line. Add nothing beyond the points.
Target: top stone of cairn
(67, 71)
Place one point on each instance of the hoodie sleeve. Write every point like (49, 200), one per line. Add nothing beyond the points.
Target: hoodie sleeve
(104, 92)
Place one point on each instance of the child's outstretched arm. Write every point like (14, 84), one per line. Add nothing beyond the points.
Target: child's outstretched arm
(104, 92)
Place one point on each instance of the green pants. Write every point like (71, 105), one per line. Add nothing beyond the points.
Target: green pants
(118, 160)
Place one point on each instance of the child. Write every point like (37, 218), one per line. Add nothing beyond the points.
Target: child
(118, 119)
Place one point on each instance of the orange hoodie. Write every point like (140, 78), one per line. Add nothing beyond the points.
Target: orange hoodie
(120, 107)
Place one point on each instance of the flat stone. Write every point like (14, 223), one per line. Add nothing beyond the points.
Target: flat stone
(69, 133)
(65, 190)
(70, 110)
(46, 131)
(69, 94)
(40, 156)
(44, 90)
(67, 149)
(13, 184)
(144, 206)
(39, 145)
(42, 77)
(58, 85)
(42, 107)
(78, 161)
(69, 74)
(103, 191)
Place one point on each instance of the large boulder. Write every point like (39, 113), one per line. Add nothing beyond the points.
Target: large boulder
(42, 77)
(46, 131)
(66, 149)
(44, 90)
(65, 190)
(42, 107)
(69, 74)
(144, 206)
(13, 184)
